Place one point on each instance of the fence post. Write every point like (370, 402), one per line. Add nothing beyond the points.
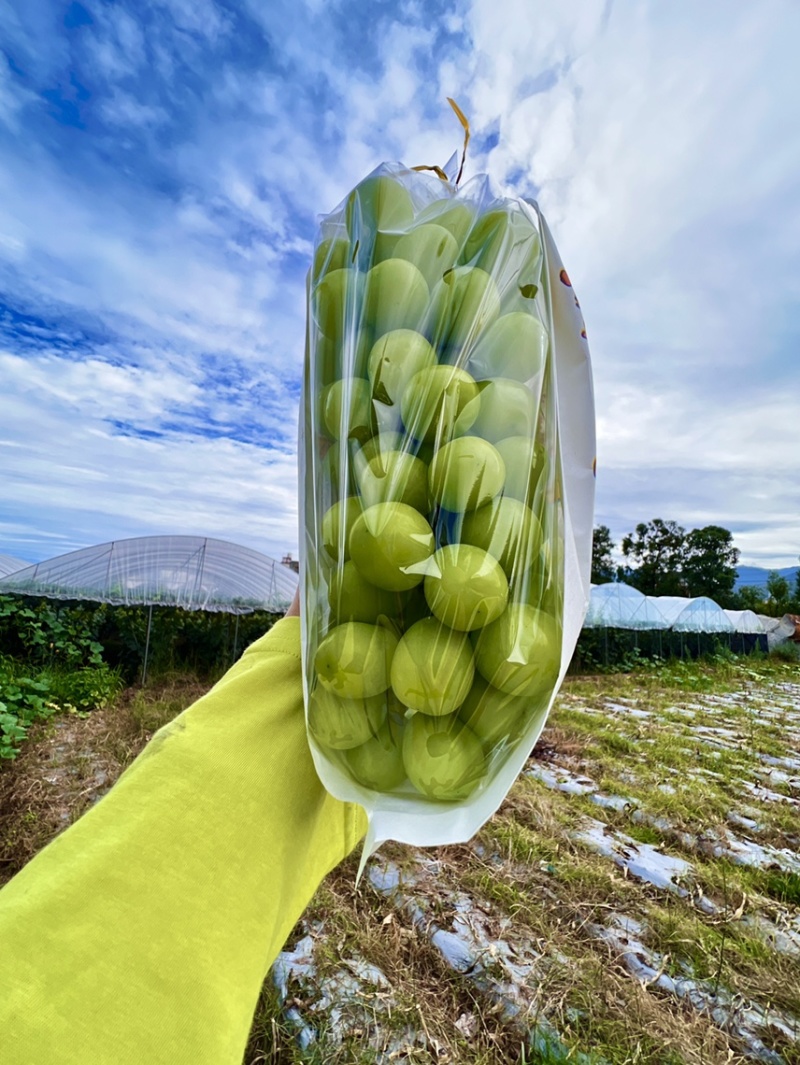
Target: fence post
(147, 643)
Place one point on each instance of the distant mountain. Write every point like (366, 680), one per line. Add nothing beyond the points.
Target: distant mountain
(756, 576)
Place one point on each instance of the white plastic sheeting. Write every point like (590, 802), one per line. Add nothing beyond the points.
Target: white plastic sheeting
(619, 606)
(778, 630)
(745, 621)
(702, 615)
(193, 572)
(9, 564)
(672, 606)
(682, 614)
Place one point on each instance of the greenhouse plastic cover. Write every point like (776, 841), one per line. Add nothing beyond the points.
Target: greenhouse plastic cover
(745, 621)
(619, 606)
(778, 630)
(9, 564)
(694, 615)
(192, 572)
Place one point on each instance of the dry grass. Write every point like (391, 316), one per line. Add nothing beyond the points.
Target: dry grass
(533, 886)
(68, 762)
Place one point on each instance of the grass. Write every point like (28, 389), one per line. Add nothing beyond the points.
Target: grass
(69, 761)
(539, 895)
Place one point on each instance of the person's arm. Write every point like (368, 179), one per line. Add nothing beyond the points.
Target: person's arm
(143, 933)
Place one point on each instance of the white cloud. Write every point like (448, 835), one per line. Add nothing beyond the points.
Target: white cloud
(135, 266)
(123, 109)
(663, 149)
(12, 97)
(117, 42)
(660, 140)
(201, 17)
(90, 482)
(93, 388)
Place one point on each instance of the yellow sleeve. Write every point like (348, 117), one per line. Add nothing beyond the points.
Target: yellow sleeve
(143, 933)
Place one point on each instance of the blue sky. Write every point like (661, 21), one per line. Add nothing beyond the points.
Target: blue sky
(162, 166)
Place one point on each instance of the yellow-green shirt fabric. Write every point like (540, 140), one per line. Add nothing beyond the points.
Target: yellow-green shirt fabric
(143, 933)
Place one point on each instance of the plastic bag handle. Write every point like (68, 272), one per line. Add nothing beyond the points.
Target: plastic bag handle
(462, 118)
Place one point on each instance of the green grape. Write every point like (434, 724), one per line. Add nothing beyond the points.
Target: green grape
(515, 346)
(352, 598)
(344, 723)
(540, 585)
(466, 474)
(437, 403)
(333, 253)
(508, 530)
(414, 608)
(395, 477)
(507, 408)
(335, 302)
(505, 244)
(432, 668)
(336, 526)
(394, 359)
(524, 461)
(443, 758)
(466, 588)
(431, 248)
(391, 544)
(396, 297)
(456, 218)
(347, 409)
(325, 362)
(378, 763)
(335, 482)
(377, 203)
(381, 444)
(464, 303)
(354, 660)
(520, 653)
(492, 715)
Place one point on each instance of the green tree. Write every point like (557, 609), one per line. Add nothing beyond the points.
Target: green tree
(709, 564)
(778, 589)
(751, 598)
(655, 550)
(602, 563)
(796, 603)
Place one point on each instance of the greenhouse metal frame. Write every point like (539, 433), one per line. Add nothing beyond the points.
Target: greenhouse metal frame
(695, 623)
(188, 572)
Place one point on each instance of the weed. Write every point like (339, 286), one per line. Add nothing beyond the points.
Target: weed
(780, 885)
(542, 896)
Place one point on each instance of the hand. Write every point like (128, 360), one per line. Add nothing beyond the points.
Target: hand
(294, 609)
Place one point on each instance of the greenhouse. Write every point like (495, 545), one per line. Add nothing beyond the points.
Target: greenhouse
(192, 572)
(621, 621)
(745, 621)
(9, 564)
(693, 615)
(619, 606)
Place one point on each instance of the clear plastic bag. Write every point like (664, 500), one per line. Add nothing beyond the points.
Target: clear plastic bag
(447, 495)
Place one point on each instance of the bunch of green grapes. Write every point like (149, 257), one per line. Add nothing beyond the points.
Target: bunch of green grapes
(434, 588)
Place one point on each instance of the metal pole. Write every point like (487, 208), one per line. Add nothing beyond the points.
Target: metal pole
(147, 643)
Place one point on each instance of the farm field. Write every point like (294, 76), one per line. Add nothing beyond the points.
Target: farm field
(635, 899)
